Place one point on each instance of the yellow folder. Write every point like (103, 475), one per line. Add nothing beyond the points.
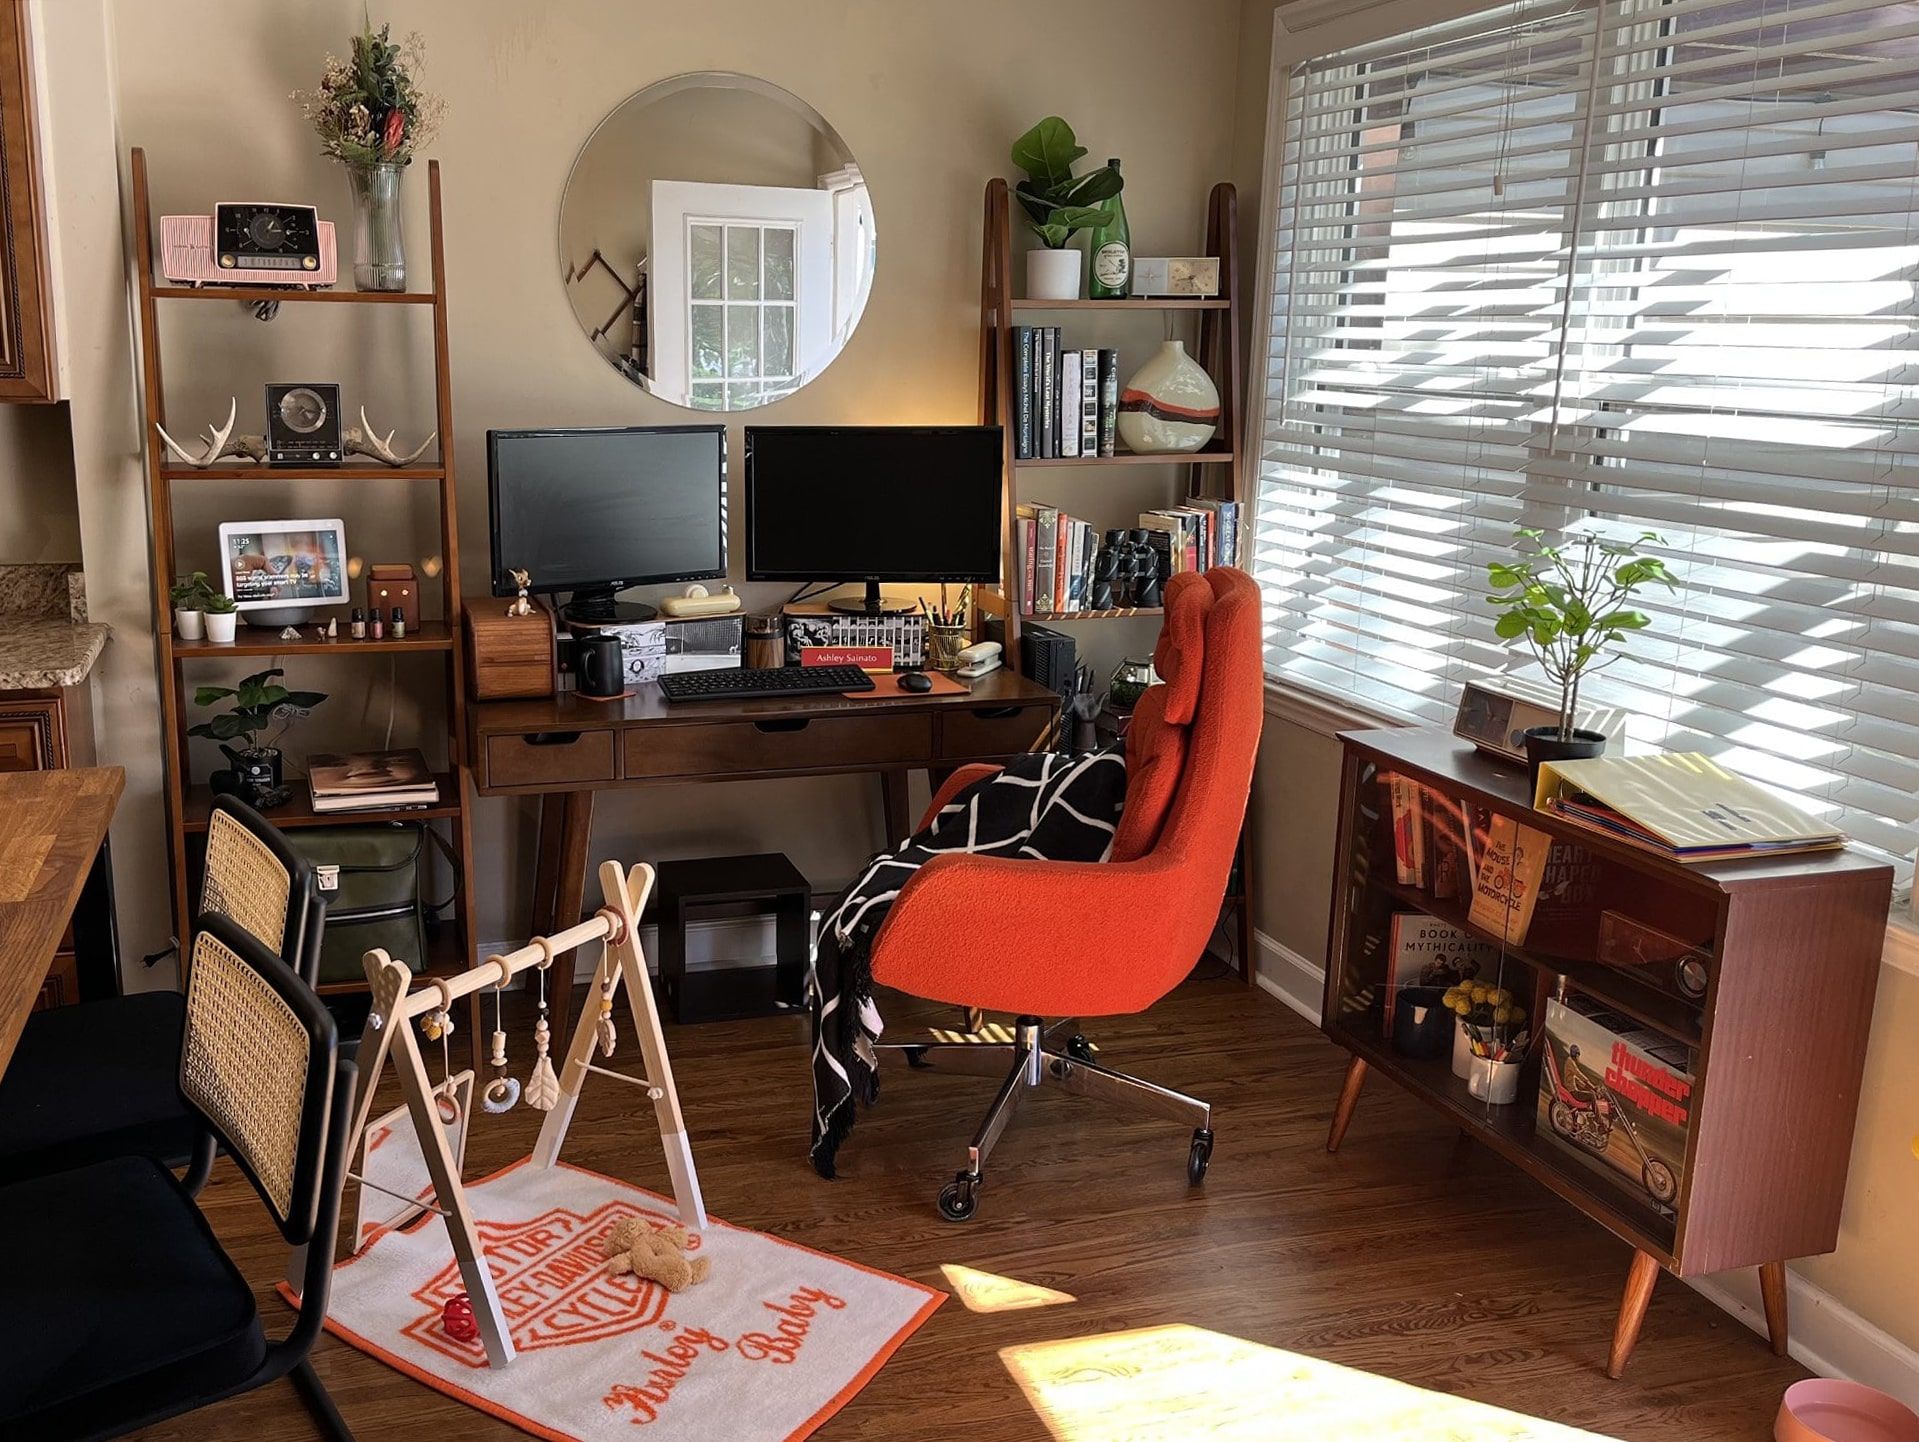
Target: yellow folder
(1681, 804)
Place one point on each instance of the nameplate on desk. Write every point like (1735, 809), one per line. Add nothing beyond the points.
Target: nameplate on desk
(867, 658)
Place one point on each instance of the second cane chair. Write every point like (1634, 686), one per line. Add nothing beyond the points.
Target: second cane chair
(98, 1080)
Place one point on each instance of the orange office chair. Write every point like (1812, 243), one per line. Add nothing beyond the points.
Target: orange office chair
(1104, 938)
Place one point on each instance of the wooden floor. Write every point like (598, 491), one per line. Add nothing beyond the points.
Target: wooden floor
(1399, 1257)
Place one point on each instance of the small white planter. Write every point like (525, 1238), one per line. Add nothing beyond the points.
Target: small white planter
(1052, 274)
(220, 626)
(1494, 1082)
(187, 623)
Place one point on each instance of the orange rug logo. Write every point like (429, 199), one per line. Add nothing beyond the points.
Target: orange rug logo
(551, 1275)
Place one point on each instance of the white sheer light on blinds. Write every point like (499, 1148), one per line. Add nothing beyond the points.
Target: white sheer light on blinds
(1647, 266)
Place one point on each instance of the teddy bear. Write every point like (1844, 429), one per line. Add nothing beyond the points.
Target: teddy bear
(659, 1256)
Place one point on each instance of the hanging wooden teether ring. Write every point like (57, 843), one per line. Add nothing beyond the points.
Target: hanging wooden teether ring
(615, 925)
(438, 1023)
(502, 1093)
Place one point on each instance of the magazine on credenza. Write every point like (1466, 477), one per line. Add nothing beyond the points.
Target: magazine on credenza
(370, 781)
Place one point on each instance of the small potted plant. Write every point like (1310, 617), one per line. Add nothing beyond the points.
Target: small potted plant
(1058, 203)
(1570, 604)
(221, 612)
(189, 596)
(258, 701)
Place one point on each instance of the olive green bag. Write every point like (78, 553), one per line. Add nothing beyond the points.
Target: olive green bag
(373, 881)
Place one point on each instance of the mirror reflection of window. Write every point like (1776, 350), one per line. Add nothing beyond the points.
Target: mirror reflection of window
(747, 226)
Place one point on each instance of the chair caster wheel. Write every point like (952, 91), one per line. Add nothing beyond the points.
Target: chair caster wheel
(1079, 1048)
(916, 1058)
(960, 1197)
(1199, 1156)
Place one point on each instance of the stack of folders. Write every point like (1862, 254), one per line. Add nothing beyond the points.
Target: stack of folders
(1681, 805)
(371, 781)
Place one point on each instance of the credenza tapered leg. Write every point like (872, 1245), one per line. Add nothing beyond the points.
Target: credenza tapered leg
(1632, 1311)
(1772, 1289)
(1348, 1099)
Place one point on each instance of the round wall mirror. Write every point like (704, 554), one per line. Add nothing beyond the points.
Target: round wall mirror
(716, 241)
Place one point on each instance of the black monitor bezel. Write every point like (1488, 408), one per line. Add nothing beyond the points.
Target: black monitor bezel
(503, 585)
(755, 572)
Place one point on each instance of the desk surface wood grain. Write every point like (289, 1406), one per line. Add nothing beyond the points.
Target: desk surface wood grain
(51, 827)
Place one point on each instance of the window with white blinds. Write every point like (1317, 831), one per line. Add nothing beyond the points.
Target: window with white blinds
(1631, 265)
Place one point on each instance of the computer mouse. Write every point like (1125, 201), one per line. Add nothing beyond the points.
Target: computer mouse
(916, 681)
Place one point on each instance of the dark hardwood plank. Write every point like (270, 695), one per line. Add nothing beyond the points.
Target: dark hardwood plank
(1459, 1275)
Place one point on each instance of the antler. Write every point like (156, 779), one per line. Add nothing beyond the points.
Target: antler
(216, 440)
(363, 440)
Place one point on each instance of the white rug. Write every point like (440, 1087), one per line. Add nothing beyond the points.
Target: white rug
(772, 1344)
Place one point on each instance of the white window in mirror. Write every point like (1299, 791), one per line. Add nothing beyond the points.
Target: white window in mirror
(754, 269)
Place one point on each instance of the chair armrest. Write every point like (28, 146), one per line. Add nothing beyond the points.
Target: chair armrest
(1048, 938)
(956, 783)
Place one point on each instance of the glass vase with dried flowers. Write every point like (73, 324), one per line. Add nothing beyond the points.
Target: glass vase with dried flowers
(372, 116)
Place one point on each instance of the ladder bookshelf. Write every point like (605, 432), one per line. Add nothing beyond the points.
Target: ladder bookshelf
(1216, 470)
(188, 804)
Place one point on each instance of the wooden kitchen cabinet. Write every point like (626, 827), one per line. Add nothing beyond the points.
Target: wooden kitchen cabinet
(26, 300)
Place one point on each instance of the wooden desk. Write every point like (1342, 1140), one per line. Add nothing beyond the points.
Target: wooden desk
(566, 748)
(52, 824)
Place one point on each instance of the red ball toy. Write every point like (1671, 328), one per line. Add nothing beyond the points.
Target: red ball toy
(457, 1318)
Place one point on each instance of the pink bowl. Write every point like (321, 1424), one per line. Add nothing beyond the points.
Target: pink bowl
(1827, 1410)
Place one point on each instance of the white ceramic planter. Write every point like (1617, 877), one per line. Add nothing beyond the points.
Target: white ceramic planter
(187, 623)
(1052, 274)
(220, 626)
(1170, 405)
(1494, 1082)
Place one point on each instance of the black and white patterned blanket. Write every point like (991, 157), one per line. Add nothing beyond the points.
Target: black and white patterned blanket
(1043, 806)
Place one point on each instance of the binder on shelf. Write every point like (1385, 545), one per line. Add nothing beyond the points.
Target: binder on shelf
(1682, 805)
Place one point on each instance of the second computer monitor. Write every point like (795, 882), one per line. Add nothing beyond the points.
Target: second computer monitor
(907, 504)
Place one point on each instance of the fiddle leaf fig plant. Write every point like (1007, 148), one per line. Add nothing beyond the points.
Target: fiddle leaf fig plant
(258, 701)
(1571, 604)
(1057, 202)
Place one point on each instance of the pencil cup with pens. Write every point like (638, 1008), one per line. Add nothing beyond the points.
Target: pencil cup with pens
(948, 631)
(1489, 1046)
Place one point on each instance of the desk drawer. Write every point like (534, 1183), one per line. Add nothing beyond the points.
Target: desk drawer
(552, 758)
(821, 743)
(981, 731)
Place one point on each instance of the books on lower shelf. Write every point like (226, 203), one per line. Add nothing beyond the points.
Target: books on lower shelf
(1425, 951)
(370, 781)
(1057, 551)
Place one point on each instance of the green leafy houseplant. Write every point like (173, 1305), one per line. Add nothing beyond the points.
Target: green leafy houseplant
(1057, 202)
(258, 701)
(190, 593)
(1571, 605)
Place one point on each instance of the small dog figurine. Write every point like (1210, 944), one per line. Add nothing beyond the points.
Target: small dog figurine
(523, 606)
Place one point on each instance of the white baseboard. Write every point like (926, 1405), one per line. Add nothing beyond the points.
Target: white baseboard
(1827, 1336)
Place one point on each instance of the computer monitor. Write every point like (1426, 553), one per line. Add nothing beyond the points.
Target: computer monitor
(873, 503)
(593, 511)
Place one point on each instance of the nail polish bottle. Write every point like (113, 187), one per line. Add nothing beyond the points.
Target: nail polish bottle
(399, 624)
(377, 627)
(359, 624)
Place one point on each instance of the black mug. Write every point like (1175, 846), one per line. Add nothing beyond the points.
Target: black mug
(599, 667)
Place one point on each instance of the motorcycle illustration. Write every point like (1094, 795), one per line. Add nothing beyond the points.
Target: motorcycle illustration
(1584, 1111)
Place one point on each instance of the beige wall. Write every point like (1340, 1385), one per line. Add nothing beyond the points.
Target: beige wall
(1875, 1271)
(39, 517)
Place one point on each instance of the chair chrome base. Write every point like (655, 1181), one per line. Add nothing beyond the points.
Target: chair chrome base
(1024, 1064)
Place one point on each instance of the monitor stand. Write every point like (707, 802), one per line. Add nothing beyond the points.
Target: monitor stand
(870, 604)
(596, 607)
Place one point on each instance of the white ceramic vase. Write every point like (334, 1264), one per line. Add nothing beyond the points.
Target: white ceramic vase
(1052, 274)
(220, 626)
(1170, 405)
(187, 623)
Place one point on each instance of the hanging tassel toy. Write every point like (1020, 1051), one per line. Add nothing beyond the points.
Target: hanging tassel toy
(609, 1038)
(542, 1086)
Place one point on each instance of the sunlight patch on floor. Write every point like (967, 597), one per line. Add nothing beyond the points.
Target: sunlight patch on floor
(1181, 1384)
(989, 1292)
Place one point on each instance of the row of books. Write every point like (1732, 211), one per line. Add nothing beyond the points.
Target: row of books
(1065, 402)
(1057, 551)
(371, 781)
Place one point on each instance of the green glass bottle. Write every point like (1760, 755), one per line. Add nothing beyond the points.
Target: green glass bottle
(1112, 252)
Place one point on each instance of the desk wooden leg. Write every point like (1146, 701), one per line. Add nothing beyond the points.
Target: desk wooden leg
(1348, 1099)
(569, 895)
(899, 825)
(1632, 1311)
(546, 873)
(1772, 1288)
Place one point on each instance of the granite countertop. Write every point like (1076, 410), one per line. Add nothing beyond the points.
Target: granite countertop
(45, 651)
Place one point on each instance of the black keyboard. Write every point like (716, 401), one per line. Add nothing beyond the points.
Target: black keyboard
(740, 683)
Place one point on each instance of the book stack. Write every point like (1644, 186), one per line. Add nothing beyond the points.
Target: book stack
(370, 781)
(1065, 402)
(1196, 536)
(1057, 551)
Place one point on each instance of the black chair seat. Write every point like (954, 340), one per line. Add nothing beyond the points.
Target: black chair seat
(136, 1314)
(95, 1081)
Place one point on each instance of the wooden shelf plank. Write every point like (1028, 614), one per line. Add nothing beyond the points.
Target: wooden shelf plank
(252, 293)
(298, 810)
(1210, 302)
(1127, 458)
(265, 641)
(219, 472)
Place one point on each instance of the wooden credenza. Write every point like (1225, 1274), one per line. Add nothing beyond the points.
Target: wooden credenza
(1769, 1017)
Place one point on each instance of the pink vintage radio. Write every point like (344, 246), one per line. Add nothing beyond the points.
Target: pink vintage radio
(249, 243)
